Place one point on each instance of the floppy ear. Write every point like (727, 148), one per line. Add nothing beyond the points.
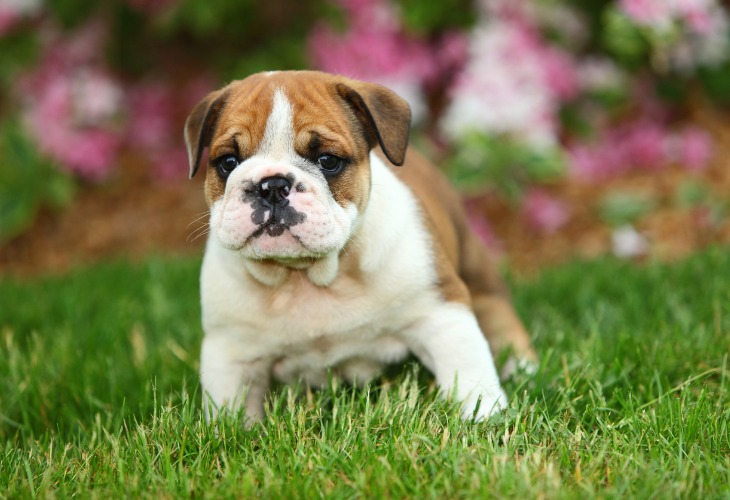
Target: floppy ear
(200, 124)
(385, 115)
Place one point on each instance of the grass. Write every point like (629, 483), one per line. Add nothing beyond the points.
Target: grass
(99, 396)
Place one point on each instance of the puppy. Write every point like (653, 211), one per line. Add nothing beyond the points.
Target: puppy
(324, 256)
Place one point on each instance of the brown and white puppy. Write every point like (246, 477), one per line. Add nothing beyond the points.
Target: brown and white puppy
(321, 256)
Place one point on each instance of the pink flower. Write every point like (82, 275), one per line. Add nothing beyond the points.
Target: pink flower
(155, 120)
(560, 73)
(73, 106)
(544, 212)
(685, 33)
(153, 126)
(695, 149)
(644, 144)
(13, 12)
(168, 162)
(656, 13)
(698, 14)
(640, 144)
(372, 46)
(85, 149)
(8, 20)
(450, 53)
(151, 110)
(511, 84)
(597, 74)
(82, 47)
(89, 153)
(700, 21)
(375, 49)
(97, 97)
(590, 162)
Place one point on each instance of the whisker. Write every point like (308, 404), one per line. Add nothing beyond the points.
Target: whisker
(198, 232)
(354, 241)
(202, 225)
(203, 233)
(200, 216)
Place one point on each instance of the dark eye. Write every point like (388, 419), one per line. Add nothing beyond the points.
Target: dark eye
(226, 164)
(330, 164)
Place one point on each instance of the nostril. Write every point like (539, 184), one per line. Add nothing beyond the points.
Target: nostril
(274, 189)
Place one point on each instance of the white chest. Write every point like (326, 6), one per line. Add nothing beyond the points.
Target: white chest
(351, 326)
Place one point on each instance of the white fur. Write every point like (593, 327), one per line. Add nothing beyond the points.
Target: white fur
(301, 321)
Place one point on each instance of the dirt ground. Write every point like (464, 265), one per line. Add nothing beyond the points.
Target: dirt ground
(131, 216)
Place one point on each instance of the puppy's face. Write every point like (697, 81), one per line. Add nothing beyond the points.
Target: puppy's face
(288, 172)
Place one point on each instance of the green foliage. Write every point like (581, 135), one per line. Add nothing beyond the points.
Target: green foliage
(242, 37)
(623, 39)
(696, 195)
(592, 14)
(225, 35)
(690, 193)
(673, 89)
(277, 55)
(223, 19)
(72, 14)
(99, 397)
(428, 18)
(16, 52)
(619, 207)
(27, 182)
(716, 82)
(497, 162)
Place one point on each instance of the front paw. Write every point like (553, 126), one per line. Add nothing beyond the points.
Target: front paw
(516, 366)
(482, 404)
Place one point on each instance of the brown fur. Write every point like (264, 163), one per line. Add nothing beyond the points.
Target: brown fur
(465, 268)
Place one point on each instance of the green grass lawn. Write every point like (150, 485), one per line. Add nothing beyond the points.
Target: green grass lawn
(99, 396)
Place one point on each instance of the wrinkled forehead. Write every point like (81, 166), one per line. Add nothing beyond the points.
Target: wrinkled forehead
(307, 105)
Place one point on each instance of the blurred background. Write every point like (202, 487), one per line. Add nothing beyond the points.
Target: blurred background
(575, 128)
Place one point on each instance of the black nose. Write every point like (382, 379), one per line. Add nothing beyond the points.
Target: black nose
(274, 190)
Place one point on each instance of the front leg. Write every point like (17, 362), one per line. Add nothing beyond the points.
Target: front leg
(229, 383)
(450, 344)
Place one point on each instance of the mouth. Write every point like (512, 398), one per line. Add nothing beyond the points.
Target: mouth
(271, 228)
(275, 240)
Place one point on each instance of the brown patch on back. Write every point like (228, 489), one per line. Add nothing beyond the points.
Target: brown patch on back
(463, 265)
(465, 270)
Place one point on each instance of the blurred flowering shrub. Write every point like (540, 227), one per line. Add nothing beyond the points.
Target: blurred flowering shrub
(523, 92)
(90, 86)
(677, 35)
(374, 46)
(514, 93)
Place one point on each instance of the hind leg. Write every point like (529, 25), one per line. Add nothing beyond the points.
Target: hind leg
(504, 331)
(491, 303)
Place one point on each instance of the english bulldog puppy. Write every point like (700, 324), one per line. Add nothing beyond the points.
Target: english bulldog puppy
(333, 246)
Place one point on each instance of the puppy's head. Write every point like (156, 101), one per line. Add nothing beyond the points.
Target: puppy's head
(288, 172)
